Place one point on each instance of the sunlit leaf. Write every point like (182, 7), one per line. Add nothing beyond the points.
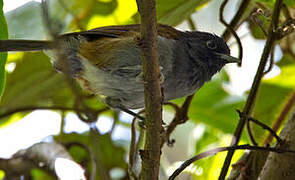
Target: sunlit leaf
(286, 60)
(286, 78)
(122, 13)
(271, 97)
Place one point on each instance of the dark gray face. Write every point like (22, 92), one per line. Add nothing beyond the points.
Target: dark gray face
(209, 50)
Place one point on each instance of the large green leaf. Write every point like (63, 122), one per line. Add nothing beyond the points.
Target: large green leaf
(3, 56)
(214, 106)
(33, 79)
(25, 22)
(174, 12)
(32, 83)
(121, 14)
(271, 97)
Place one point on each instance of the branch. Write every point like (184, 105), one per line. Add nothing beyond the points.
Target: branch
(253, 92)
(229, 27)
(152, 90)
(179, 118)
(262, 125)
(221, 149)
(234, 22)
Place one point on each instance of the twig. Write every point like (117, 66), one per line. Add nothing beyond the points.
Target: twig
(234, 22)
(253, 92)
(282, 116)
(132, 152)
(152, 90)
(229, 27)
(180, 117)
(62, 124)
(89, 115)
(271, 61)
(264, 126)
(191, 23)
(249, 130)
(115, 121)
(221, 149)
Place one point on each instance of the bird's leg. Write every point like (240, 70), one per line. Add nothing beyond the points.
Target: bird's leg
(116, 104)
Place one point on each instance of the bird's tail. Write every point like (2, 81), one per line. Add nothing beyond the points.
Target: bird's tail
(25, 45)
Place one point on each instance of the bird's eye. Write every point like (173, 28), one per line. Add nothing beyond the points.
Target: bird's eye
(211, 45)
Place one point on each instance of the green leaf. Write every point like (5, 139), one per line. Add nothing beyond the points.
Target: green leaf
(290, 3)
(25, 22)
(32, 83)
(286, 78)
(174, 12)
(272, 95)
(3, 56)
(214, 106)
(41, 174)
(286, 60)
(102, 148)
(120, 12)
(32, 79)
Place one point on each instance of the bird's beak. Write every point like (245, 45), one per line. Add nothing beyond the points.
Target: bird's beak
(228, 58)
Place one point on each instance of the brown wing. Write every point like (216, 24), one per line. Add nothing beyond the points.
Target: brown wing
(103, 42)
(126, 30)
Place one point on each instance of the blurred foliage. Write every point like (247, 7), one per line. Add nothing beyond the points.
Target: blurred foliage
(33, 82)
(106, 154)
(3, 56)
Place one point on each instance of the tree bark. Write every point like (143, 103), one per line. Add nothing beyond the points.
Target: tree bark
(152, 90)
(282, 166)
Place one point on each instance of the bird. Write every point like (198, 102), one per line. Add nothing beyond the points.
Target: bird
(106, 61)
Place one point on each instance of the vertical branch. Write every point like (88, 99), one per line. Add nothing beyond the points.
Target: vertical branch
(253, 92)
(152, 90)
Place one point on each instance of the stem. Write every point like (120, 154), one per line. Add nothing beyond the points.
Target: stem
(234, 22)
(152, 90)
(253, 92)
